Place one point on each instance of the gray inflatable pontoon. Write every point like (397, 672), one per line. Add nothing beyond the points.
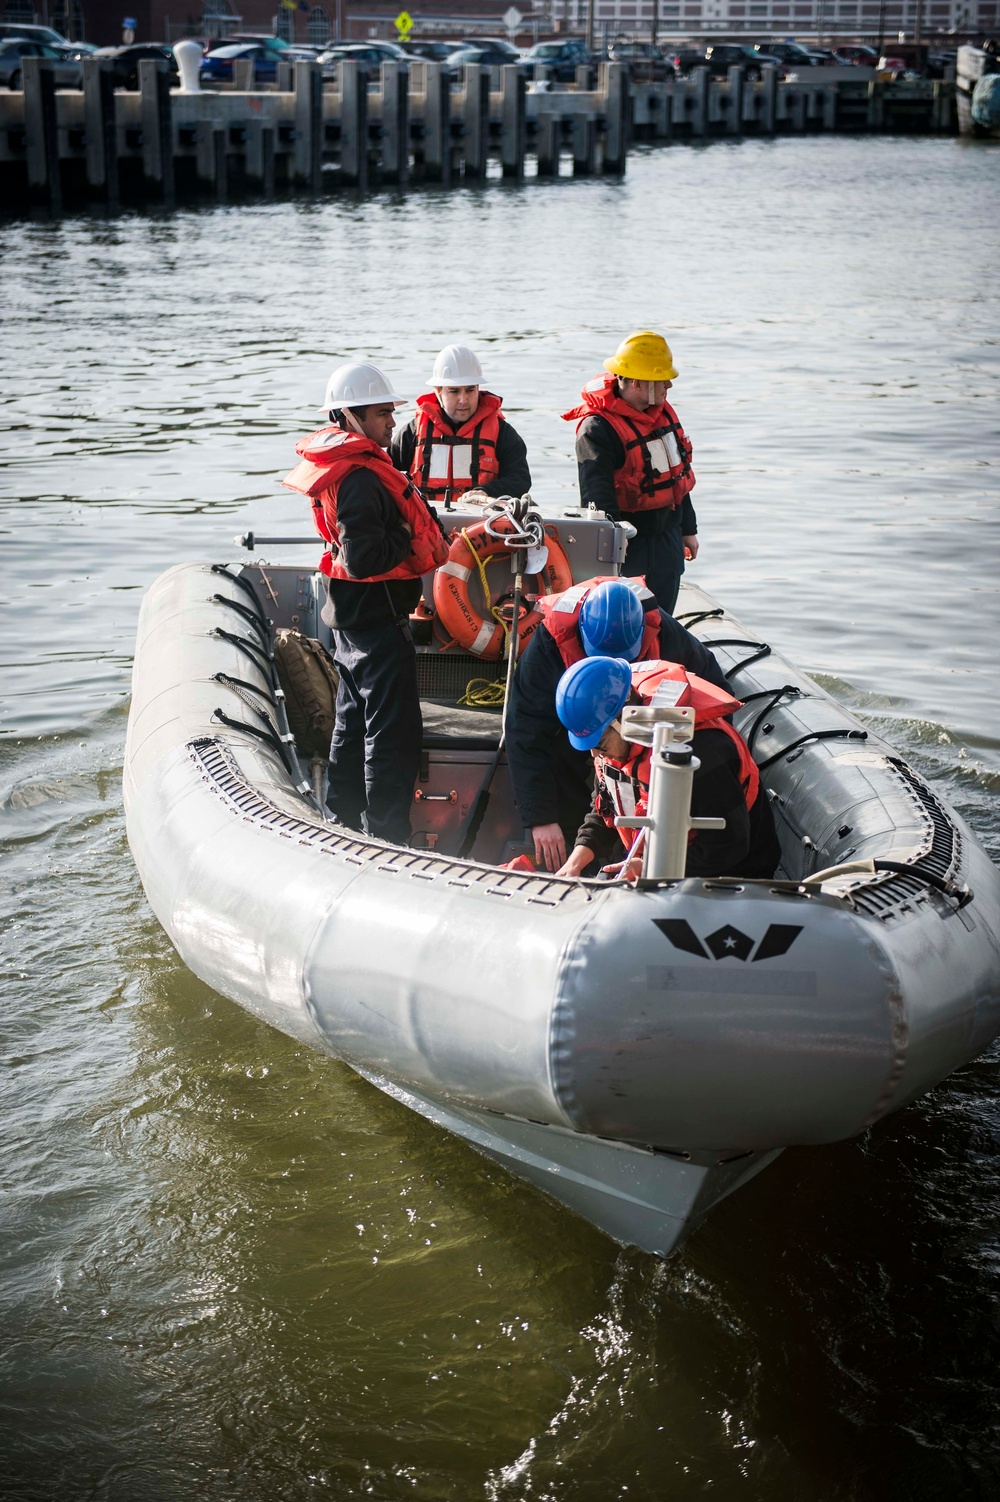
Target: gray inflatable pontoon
(637, 1054)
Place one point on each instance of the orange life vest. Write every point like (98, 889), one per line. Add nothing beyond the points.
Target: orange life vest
(561, 617)
(657, 470)
(622, 787)
(452, 460)
(328, 456)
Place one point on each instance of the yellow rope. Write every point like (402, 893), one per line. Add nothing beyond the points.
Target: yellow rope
(485, 693)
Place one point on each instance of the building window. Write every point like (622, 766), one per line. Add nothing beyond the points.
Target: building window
(20, 12)
(758, 10)
(219, 18)
(284, 24)
(318, 26)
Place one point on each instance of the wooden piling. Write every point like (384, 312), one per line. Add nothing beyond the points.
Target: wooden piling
(614, 85)
(547, 144)
(100, 129)
(437, 124)
(353, 123)
(395, 165)
(734, 119)
(699, 112)
(514, 133)
(258, 160)
(584, 146)
(157, 128)
(308, 159)
(476, 111)
(41, 132)
(830, 107)
(799, 110)
(769, 80)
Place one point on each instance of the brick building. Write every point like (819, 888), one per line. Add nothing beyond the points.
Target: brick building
(100, 21)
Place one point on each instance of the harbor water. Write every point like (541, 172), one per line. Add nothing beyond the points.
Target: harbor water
(231, 1270)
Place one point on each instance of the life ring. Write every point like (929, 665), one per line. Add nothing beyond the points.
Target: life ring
(468, 628)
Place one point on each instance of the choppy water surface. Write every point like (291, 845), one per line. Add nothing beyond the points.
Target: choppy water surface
(232, 1270)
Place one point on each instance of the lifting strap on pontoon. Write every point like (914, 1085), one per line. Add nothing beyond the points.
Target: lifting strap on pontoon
(761, 649)
(814, 735)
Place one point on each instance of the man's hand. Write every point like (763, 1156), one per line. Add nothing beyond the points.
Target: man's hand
(691, 546)
(629, 870)
(550, 846)
(577, 862)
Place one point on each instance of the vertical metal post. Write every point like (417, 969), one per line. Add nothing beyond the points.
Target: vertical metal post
(100, 127)
(513, 136)
(590, 24)
(477, 119)
(308, 125)
(655, 23)
(41, 131)
(157, 127)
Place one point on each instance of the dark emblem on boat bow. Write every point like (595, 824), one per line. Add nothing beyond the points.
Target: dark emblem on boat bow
(728, 942)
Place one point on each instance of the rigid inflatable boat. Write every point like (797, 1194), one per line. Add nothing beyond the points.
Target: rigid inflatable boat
(637, 1052)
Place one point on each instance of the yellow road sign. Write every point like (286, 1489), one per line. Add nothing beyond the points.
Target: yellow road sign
(404, 25)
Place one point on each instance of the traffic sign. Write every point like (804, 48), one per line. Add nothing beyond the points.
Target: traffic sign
(512, 19)
(404, 25)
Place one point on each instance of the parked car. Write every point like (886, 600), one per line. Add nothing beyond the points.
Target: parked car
(560, 59)
(217, 66)
(686, 58)
(29, 33)
(485, 54)
(13, 50)
(264, 38)
(645, 63)
(495, 44)
(858, 54)
(126, 60)
(722, 56)
(429, 52)
(371, 56)
(789, 54)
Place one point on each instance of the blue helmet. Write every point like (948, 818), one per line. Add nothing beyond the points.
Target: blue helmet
(589, 696)
(611, 621)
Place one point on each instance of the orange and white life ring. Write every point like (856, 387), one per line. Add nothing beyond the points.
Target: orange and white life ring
(468, 628)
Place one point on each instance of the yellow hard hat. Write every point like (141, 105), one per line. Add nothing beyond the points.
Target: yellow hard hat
(643, 357)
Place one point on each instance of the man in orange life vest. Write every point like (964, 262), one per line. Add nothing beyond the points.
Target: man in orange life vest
(383, 537)
(460, 439)
(591, 696)
(612, 617)
(634, 461)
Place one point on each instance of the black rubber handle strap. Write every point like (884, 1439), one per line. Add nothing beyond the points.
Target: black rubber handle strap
(253, 688)
(239, 688)
(814, 735)
(695, 617)
(761, 649)
(267, 736)
(256, 654)
(245, 585)
(261, 627)
(773, 696)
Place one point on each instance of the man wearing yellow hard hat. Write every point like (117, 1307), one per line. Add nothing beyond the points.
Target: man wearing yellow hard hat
(634, 460)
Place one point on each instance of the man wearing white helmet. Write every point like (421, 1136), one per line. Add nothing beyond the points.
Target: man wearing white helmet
(460, 439)
(382, 538)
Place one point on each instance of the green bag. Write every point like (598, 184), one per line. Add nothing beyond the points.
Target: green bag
(309, 678)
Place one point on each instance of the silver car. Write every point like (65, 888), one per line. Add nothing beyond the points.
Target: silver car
(68, 71)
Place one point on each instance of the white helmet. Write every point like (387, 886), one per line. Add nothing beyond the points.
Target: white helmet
(456, 365)
(358, 385)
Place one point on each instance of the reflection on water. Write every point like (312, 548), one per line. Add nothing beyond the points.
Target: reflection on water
(231, 1268)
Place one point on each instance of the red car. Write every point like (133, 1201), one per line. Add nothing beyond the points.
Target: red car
(859, 54)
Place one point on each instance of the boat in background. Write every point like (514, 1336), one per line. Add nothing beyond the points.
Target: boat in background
(637, 1052)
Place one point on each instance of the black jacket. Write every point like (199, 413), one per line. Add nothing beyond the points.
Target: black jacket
(748, 846)
(552, 781)
(373, 540)
(512, 457)
(599, 452)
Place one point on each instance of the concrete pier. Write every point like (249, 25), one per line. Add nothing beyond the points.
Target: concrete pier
(310, 134)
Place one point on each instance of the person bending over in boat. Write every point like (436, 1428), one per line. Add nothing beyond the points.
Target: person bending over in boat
(591, 696)
(383, 536)
(634, 460)
(614, 617)
(460, 440)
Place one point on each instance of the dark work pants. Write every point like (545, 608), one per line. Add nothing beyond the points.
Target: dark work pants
(375, 750)
(660, 557)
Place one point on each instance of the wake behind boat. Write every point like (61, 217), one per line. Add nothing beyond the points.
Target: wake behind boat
(637, 1052)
